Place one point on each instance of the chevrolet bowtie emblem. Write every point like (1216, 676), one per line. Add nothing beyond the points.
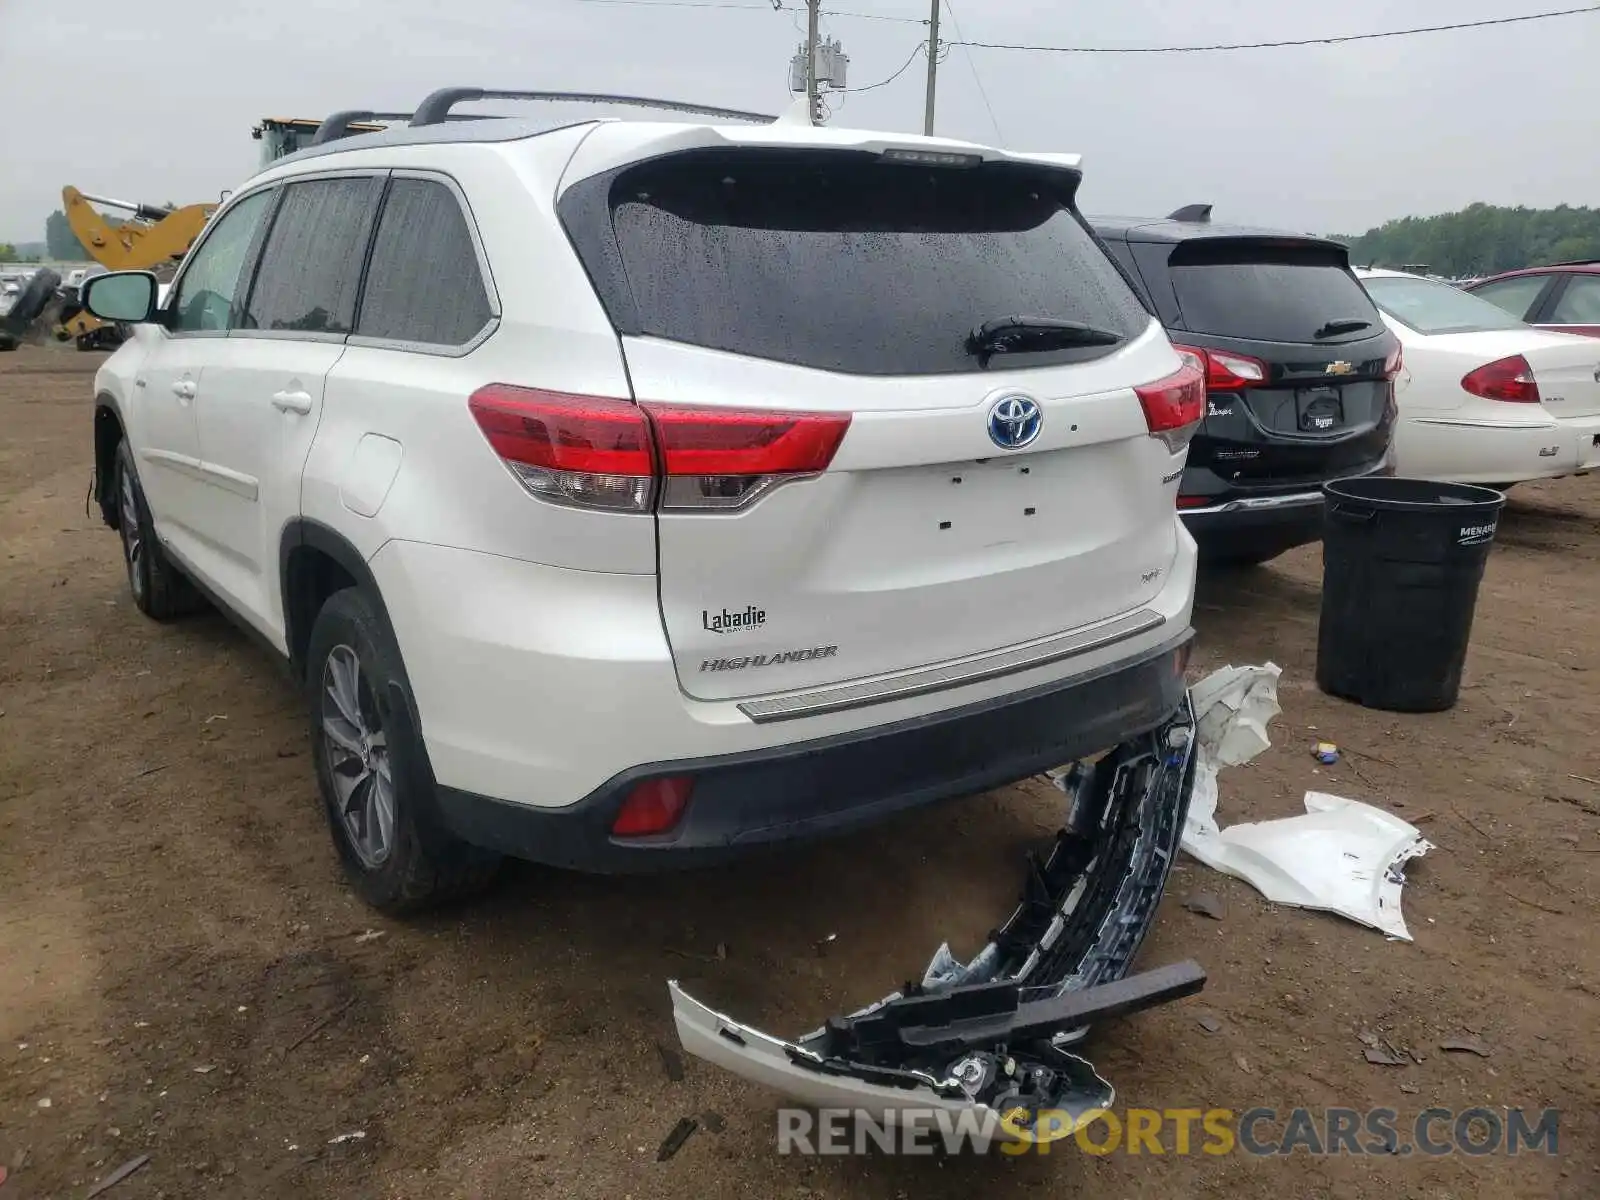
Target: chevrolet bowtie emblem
(1337, 368)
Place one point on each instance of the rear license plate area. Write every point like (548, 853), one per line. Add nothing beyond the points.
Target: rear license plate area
(1318, 410)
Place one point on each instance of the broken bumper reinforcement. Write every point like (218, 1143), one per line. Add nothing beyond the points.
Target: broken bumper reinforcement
(990, 1036)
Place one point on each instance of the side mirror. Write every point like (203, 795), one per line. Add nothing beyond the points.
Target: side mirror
(130, 296)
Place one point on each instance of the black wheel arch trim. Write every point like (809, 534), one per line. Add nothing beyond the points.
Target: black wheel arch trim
(303, 532)
(101, 484)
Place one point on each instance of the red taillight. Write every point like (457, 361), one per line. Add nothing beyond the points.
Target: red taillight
(725, 458)
(1174, 406)
(1193, 501)
(1227, 372)
(1393, 364)
(1509, 379)
(653, 806)
(582, 450)
(598, 452)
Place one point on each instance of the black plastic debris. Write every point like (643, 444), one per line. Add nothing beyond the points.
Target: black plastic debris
(681, 1133)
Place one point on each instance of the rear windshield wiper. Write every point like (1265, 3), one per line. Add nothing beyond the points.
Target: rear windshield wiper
(1012, 334)
(1345, 325)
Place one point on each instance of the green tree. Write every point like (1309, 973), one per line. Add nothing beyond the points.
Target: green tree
(1481, 239)
(8, 252)
(60, 240)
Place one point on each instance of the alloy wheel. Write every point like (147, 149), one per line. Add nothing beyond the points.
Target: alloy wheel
(133, 548)
(358, 757)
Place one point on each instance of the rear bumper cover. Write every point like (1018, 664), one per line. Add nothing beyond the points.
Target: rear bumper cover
(829, 785)
(1281, 519)
(988, 1039)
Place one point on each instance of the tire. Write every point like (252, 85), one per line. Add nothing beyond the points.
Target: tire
(372, 769)
(33, 298)
(159, 589)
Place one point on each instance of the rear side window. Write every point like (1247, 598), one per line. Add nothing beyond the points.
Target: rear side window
(1515, 295)
(310, 267)
(1580, 303)
(848, 263)
(423, 284)
(1268, 291)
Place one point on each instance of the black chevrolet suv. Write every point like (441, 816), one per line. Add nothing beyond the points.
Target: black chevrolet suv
(1299, 372)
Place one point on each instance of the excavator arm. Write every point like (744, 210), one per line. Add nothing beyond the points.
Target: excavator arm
(155, 236)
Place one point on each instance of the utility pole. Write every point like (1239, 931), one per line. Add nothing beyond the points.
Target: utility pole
(813, 107)
(817, 64)
(933, 67)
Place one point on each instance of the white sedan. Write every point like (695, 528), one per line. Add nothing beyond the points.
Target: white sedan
(1483, 397)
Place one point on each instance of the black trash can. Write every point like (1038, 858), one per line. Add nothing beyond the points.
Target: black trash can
(1401, 563)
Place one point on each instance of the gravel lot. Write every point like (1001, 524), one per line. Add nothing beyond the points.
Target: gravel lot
(183, 973)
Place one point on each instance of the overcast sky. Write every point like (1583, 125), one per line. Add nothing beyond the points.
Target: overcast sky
(155, 102)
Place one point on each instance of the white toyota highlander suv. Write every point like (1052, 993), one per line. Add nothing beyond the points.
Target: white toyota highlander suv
(626, 493)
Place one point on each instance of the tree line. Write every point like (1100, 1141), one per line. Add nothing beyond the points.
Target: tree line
(1481, 239)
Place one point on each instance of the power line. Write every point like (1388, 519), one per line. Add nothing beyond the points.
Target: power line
(972, 65)
(904, 67)
(1320, 41)
(863, 16)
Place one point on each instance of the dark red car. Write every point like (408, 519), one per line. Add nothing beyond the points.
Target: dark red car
(1564, 297)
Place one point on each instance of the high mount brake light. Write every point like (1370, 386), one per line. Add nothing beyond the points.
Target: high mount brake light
(1174, 406)
(1510, 379)
(614, 455)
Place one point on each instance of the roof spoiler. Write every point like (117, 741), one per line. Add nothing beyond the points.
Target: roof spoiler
(1194, 213)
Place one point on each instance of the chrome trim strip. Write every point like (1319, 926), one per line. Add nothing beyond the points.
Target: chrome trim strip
(1293, 500)
(955, 674)
(1461, 423)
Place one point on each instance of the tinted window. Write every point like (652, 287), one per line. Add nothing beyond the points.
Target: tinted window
(1430, 307)
(423, 283)
(311, 265)
(1515, 296)
(1267, 292)
(208, 297)
(1580, 303)
(849, 263)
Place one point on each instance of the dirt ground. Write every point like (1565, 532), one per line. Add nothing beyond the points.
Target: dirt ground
(184, 974)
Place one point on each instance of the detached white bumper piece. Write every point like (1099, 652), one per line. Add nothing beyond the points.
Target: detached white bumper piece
(987, 1040)
(1342, 856)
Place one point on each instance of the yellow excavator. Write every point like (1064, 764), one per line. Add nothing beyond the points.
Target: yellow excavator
(154, 237)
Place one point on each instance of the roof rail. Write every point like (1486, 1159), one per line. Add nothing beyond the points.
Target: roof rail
(436, 107)
(337, 125)
(1198, 213)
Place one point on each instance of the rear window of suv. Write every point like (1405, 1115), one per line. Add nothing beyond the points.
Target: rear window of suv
(845, 262)
(1267, 291)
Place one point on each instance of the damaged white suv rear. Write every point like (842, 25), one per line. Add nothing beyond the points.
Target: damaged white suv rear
(630, 493)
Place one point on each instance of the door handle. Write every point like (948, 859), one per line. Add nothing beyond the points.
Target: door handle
(184, 389)
(295, 402)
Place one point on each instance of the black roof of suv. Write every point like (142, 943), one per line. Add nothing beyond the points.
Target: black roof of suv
(1299, 368)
